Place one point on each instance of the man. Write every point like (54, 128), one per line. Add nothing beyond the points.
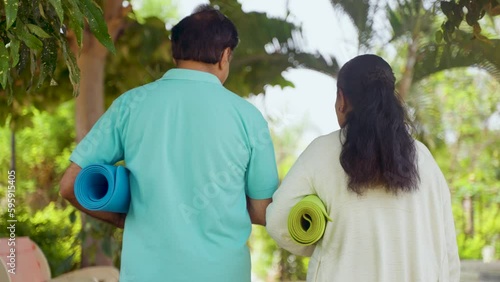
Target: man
(201, 162)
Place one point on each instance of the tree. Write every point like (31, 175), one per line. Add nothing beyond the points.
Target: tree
(412, 23)
(35, 31)
(466, 147)
(43, 150)
(263, 66)
(32, 33)
(472, 11)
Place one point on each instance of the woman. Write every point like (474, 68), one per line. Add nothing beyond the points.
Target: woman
(388, 199)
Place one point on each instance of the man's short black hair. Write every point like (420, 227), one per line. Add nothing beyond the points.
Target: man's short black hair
(203, 36)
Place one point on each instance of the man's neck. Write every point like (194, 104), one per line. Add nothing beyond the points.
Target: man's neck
(199, 66)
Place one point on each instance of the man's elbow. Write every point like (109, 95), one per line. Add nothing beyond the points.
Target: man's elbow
(66, 185)
(66, 189)
(257, 210)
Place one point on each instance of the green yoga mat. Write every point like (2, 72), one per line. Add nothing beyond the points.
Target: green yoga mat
(307, 220)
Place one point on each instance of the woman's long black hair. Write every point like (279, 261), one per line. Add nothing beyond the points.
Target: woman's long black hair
(377, 147)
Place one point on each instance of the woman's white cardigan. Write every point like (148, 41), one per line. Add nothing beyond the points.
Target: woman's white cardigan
(375, 237)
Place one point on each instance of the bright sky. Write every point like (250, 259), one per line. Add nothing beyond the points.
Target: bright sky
(313, 97)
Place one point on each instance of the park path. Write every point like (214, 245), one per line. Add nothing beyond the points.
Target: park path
(478, 271)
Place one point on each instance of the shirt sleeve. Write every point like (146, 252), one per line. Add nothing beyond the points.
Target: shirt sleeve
(451, 237)
(451, 260)
(296, 185)
(103, 144)
(262, 174)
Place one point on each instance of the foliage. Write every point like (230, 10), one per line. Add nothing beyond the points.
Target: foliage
(262, 56)
(487, 229)
(412, 23)
(143, 55)
(252, 68)
(31, 34)
(54, 230)
(43, 152)
(472, 11)
(264, 253)
(462, 52)
(166, 11)
(361, 15)
(466, 147)
(471, 44)
(43, 149)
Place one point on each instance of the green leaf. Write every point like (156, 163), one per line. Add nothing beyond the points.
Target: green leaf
(74, 71)
(59, 9)
(439, 36)
(447, 7)
(32, 68)
(4, 64)
(97, 24)
(24, 53)
(48, 59)
(29, 39)
(42, 12)
(72, 217)
(359, 13)
(11, 11)
(461, 53)
(76, 22)
(38, 31)
(14, 50)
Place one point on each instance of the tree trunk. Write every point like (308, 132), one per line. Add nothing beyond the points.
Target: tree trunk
(90, 104)
(468, 208)
(13, 150)
(411, 59)
(407, 78)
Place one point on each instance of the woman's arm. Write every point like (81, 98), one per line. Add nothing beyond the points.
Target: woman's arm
(451, 237)
(296, 185)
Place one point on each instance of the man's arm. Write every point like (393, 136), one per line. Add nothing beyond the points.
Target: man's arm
(68, 192)
(257, 210)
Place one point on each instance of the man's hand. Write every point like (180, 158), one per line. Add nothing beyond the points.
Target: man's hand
(257, 210)
(68, 192)
(120, 223)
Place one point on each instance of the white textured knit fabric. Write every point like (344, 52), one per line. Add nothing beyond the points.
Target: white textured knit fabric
(375, 237)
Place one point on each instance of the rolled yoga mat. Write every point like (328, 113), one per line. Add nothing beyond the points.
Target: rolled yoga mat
(307, 220)
(103, 188)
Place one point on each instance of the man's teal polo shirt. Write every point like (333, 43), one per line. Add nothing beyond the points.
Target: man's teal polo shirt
(195, 150)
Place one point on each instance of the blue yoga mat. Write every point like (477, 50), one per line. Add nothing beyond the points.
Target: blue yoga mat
(103, 188)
